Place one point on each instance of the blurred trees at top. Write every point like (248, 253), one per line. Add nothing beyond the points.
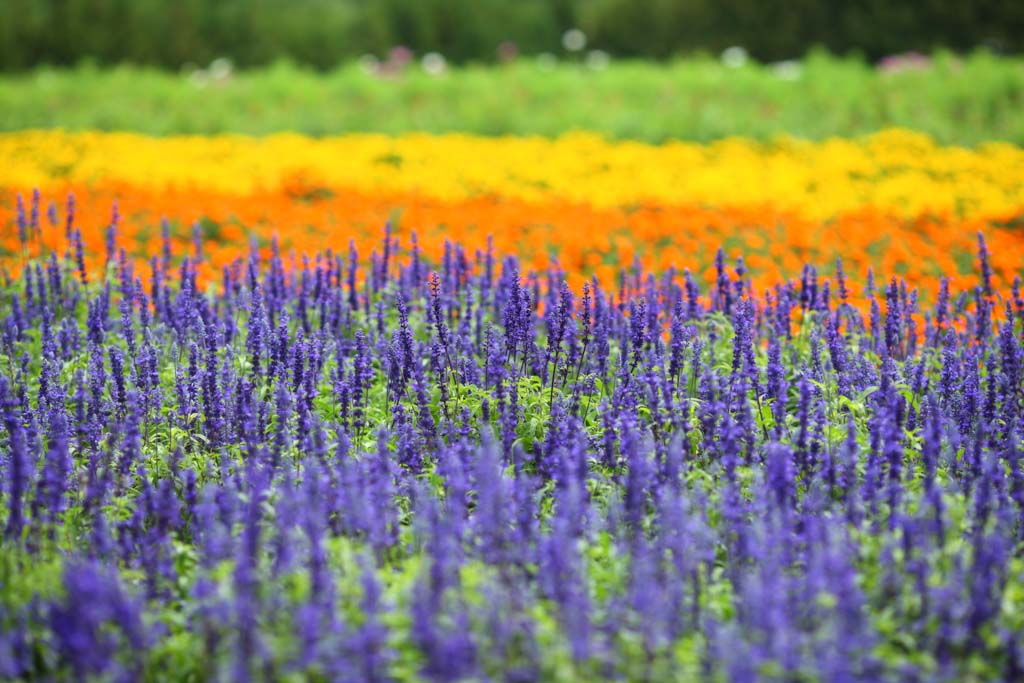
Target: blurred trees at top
(322, 33)
(781, 29)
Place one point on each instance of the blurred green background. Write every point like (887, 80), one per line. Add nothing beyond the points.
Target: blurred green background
(653, 70)
(325, 33)
(957, 100)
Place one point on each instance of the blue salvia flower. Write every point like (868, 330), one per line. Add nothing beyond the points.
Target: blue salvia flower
(52, 491)
(33, 222)
(353, 265)
(406, 344)
(111, 234)
(96, 624)
(51, 214)
(723, 294)
(19, 465)
(984, 266)
(369, 642)
(983, 320)
(246, 579)
(22, 222)
(79, 248)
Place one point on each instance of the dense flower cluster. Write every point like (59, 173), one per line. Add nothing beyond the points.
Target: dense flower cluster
(896, 171)
(895, 200)
(395, 468)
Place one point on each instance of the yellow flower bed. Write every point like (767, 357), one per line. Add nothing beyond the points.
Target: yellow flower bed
(895, 171)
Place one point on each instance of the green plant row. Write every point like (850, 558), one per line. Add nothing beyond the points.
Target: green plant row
(956, 100)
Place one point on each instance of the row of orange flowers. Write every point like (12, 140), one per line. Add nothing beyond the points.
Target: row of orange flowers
(583, 239)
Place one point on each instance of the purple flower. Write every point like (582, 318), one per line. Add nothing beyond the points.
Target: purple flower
(97, 627)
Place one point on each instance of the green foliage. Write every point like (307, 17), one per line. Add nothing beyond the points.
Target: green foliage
(781, 29)
(320, 33)
(323, 33)
(957, 101)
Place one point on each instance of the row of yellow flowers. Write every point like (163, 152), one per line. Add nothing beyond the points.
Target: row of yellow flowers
(896, 171)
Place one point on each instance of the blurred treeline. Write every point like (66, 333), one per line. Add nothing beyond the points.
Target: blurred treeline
(323, 33)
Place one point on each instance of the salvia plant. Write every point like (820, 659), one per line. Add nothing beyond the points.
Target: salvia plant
(339, 468)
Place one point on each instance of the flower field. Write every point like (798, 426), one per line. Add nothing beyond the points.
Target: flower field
(453, 408)
(895, 200)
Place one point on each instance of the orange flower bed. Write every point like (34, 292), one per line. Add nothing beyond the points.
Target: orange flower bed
(581, 238)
